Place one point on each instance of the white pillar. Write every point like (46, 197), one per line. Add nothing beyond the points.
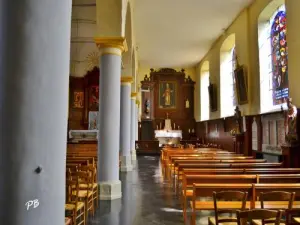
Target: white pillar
(109, 116)
(137, 122)
(125, 138)
(133, 125)
(34, 83)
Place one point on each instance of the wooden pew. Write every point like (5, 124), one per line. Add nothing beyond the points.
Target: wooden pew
(182, 166)
(206, 190)
(189, 180)
(175, 160)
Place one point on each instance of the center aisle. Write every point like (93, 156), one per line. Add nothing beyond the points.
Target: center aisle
(147, 199)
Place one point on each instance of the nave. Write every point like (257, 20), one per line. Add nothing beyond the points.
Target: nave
(146, 199)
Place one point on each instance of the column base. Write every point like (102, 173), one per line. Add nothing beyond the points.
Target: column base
(110, 190)
(133, 155)
(126, 164)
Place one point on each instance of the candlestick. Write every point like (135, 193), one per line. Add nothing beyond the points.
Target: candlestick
(156, 127)
(174, 126)
(160, 125)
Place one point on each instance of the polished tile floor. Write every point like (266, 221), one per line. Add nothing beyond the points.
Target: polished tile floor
(147, 199)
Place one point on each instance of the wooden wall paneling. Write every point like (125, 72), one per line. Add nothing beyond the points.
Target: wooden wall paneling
(78, 116)
(248, 136)
(216, 132)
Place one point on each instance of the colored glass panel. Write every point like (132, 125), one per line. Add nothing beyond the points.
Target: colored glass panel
(279, 56)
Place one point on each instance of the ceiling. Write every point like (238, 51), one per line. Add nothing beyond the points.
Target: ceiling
(178, 33)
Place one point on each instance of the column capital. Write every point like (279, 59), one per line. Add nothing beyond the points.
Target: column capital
(133, 95)
(111, 45)
(126, 80)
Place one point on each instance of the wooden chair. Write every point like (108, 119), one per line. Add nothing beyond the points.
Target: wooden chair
(247, 217)
(85, 194)
(275, 196)
(93, 173)
(236, 196)
(292, 216)
(73, 207)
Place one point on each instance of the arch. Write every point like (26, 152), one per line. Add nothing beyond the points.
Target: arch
(273, 57)
(227, 81)
(127, 56)
(204, 96)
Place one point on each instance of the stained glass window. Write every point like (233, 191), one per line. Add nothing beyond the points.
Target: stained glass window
(273, 62)
(279, 58)
(228, 97)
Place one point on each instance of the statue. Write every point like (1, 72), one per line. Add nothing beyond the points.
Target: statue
(147, 106)
(238, 118)
(167, 95)
(146, 78)
(291, 136)
(187, 104)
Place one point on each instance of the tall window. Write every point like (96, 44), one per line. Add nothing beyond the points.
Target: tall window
(227, 81)
(204, 91)
(273, 61)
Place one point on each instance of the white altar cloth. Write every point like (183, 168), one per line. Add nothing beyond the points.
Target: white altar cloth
(168, 136)
(83, 135)
(168, 133)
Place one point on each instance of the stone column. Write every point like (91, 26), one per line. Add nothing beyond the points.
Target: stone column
(34, 82)
(133, 125)
(137, 120)
(293, 43)
(126, 164)
(109, 116)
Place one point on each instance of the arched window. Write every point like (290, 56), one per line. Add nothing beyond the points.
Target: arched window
(273, 61)
(204, 77)
(227, 81)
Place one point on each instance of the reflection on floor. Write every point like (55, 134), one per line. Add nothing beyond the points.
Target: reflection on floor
(147, 199)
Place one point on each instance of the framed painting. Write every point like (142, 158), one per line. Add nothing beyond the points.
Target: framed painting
(167, 94)
(241, 85)
(213, 101)
(78, 99)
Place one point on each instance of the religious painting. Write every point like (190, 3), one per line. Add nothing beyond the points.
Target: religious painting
(93, 120)
(78, 99)
(94, 97)
(241, 85)
(167, 94)
(279, 57)
(213, 101)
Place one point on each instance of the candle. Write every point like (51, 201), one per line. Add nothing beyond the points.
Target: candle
(174, 126)
(156, 127)
(160, 125)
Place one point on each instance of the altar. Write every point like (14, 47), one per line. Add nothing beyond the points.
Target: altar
(83, 135)
(168, 136)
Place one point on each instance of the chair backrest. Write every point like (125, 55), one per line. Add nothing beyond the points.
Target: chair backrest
(236, 196)
(292, 216)
(277, 196)
(246, 217)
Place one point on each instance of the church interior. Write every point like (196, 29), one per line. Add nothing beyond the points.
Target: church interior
(129, 112)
